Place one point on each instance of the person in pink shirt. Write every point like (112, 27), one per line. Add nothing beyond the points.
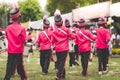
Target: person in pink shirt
(16, 36)
(29, 42)
(75, 28)
(71, 45)
(60, 38)
(44, 40)
(92, 29)
(84, 38)
(103, 37)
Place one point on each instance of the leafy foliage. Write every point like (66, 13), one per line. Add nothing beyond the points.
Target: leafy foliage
(114, 1)
(116, 51)
(30, 9)
(4, 7)
(4, 14)
(63, 5)
(66, 6)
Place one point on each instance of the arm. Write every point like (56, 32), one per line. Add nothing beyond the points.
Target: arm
(71, 35)
(93, 37)
(107, 37)
(38, 40)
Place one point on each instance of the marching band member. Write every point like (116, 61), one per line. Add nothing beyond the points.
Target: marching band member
(29, 44)
(92, 29)
(84, 38)
(75, 28)
(16, 36)
(103, 37)
(71, 46)
(60, 38)
(44, 40)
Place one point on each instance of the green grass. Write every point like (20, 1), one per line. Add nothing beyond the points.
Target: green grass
(33, 70)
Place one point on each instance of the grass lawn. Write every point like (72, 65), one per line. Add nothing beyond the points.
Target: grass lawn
(33, 70)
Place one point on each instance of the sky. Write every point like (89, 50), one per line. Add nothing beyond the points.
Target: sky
(42, 2)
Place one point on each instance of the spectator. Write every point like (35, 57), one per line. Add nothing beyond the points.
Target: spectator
(115, 39)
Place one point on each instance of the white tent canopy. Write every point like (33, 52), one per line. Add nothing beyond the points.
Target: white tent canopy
(115, 9)
(92, 11)
(88, 12)
(38, 24)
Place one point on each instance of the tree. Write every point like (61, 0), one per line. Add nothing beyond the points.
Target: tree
(114, 1)
(66, 6)
(30, 10)
(63, 5)
(102, 0)
(4, 14)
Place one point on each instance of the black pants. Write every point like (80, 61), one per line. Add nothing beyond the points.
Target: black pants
(84, 61)
(71, 59)
(61, 59)
(30, 50)
(76, 52)
(103, 55)
(15, 61)
(45, 60)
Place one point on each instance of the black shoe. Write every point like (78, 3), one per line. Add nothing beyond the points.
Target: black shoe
(44, 72)
(7, 79)
(76, 63)
(63, 79)
(59, 78)
(90, 60)
(84, 73)
(24, 79)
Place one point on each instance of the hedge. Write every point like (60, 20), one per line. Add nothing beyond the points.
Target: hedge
(116, 51)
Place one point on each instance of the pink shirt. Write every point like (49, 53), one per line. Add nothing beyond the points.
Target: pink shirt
(16, 36)
(60, 39)
(84, 44)
(103, 37)
(43, 41)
